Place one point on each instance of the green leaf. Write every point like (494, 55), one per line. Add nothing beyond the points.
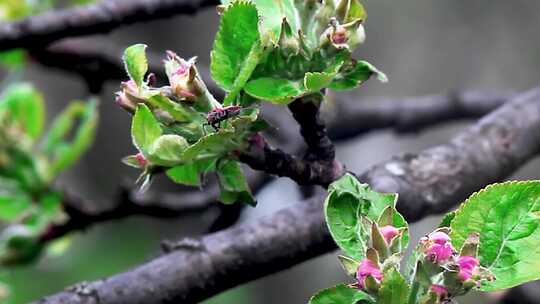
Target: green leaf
(233, 184)
(210, 146)
(13, 58)
(179, 112)
(12, 207)
(316, 81)
(238, 34)
(347, 201)
(50, 210)
(136, 63)
(245, 72)
(447, 219)
(355, 73)
(19, 245)
(167, 150)
(14, 9)
(275, 90)
(190, 174)
(25, 106)
(145, 129)
(21, 170)
(62, 151)
(349, 265)
(507, 216)
(394, 289)
(272, 13)
(356, 11)
(341, 294)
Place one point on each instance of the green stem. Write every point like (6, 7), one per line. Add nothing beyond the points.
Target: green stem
(414, 292)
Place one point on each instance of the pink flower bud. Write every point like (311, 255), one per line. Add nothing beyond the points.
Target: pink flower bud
(123, 101)
(438, 253)
(129, 97)
(439, 249)
(141, 160)
(439, 290)
(368, 268)
(339, 36)
(439, 237)
(183, 77)
(467, 265)
(389, 233)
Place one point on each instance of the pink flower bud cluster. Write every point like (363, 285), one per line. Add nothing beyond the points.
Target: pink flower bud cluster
(370, 267)
(439, 250)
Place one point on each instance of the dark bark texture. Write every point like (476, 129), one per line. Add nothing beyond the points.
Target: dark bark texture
(101, 17)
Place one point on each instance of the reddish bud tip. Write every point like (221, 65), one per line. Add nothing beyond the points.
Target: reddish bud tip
(389, 233)
(141, 160)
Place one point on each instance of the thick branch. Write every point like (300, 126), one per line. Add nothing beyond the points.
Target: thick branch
(406, 115)
(101, 17)
(431, 181)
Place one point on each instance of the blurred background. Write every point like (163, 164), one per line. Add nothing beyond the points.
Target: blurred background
(424, 46)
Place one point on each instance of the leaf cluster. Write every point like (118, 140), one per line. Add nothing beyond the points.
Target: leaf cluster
(30, 163)
(171, 131)
(264, 51)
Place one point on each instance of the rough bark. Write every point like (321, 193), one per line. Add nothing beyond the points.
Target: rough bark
(408, 115)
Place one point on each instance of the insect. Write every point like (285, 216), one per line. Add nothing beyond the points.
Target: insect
(216, 116)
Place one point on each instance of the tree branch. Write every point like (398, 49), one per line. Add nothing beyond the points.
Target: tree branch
(82, 214)
(261, 156)
(406, 115)
(101, 17)
(524, 294)
(432, 181)
(305, 111)
(75, 56)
